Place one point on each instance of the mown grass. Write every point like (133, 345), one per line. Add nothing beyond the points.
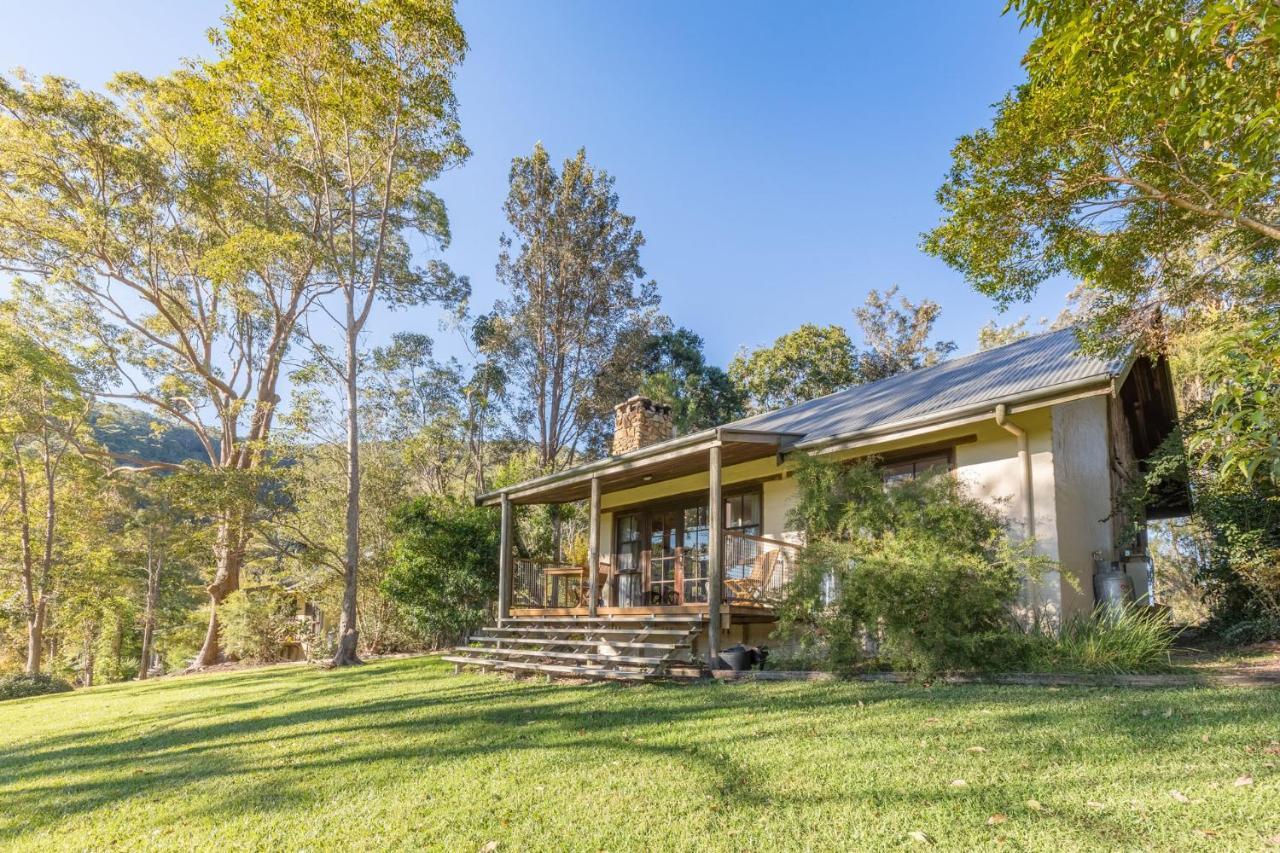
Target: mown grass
(403, 754)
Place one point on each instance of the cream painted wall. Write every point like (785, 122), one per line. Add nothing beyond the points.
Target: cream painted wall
(1082, 482)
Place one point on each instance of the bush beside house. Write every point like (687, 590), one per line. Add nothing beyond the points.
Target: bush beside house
(917, 575)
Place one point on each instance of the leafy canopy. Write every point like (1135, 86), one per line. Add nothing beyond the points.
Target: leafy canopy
(577, 300)
(1140, 155)
(816, 360)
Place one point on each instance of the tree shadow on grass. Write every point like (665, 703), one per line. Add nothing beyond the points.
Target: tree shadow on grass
(433, 721)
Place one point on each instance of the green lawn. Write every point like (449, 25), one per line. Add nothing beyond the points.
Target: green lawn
(404, 754)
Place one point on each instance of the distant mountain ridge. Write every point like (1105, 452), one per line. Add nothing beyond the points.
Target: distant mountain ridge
(125, 430)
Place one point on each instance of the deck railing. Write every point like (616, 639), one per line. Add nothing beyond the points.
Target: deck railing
(529, 584)
(756, 569)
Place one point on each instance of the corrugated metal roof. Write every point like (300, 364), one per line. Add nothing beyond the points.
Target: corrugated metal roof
(1025, 366)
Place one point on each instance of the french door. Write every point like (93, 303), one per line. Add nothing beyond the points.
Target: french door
(629, 562)
(662, 557)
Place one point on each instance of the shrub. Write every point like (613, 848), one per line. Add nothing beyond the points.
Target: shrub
(40, 684)
(1133, 640)
(917, 575)
(444, 569)
(257, 623)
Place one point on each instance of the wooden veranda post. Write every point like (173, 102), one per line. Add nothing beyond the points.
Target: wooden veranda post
(715, 558)
(504, 561)
(593, 549)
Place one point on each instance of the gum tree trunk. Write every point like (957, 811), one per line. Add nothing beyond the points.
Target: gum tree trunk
(35, 637)
(348, 633)
(230, 553)
(155, 564)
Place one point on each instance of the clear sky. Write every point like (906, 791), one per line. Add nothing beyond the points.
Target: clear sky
(780, 158)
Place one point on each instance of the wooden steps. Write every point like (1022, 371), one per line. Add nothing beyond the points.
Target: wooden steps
(626, 648)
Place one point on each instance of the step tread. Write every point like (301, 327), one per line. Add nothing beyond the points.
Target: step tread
(588, 672)
(583, 656)
(547, 641)
(593, 630)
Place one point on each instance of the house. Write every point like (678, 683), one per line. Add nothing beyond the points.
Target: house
(689, 534)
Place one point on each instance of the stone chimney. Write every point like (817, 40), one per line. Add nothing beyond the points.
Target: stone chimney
(639, 422)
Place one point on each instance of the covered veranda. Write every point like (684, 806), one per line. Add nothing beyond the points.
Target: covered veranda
(729, 576)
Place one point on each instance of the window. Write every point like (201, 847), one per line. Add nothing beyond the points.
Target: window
(742, 513)
(628, 593)
(910, 469)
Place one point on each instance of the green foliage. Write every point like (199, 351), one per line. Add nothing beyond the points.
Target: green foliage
(991, 334)
(1139, 156)
(897, 338)
(257, 623)
(444, 570)
(676, 372)
(1134, 640)
(40, 684)
(1238, 432)
(810, 362)
(919, 566)
(816, 360)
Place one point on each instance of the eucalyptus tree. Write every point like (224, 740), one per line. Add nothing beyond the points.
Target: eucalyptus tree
(896, 337)
(167, 255)
(42, 417)
(354, 116)
(576, 295)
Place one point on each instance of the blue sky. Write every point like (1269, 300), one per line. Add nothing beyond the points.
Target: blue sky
(781, 159)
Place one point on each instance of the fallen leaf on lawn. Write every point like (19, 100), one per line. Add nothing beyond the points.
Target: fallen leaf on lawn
(1272, 840)
(1206, 833)
(1180, 797)
(489, 847)
(933, 720)
(1094, 804)
(1204, 738)
(1168, 712)
(960, 783)
(922, 837)
(996, 818)
(1242, 781)
(976, 749)
(1034, 805)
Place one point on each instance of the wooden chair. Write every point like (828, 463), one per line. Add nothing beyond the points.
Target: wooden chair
(752, 587)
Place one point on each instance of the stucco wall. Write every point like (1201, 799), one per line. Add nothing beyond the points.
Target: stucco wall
(1082, 477)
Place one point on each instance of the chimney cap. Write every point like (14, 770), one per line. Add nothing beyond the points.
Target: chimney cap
(639, 401)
